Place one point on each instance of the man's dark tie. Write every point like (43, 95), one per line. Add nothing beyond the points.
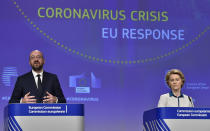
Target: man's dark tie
(39, 88)
(39, 82)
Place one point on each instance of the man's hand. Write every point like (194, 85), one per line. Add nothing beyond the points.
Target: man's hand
(28, 99)
(49, 98)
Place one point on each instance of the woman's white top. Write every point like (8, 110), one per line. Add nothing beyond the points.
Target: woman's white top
(170, 100)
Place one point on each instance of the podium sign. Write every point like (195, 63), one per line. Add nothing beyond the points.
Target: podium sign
(46, 117)
(177, 119)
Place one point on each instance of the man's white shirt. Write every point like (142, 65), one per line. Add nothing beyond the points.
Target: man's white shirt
(36, 78)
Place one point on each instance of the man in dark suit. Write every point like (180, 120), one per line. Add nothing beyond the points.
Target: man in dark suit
(37, 86)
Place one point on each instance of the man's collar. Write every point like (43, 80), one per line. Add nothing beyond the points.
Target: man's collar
(171, 94)
(35, 73)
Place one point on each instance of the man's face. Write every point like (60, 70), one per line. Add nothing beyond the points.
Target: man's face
(36, 60)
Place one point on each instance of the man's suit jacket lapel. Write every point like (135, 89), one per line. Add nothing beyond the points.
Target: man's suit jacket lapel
(33, 83)
(44, 81)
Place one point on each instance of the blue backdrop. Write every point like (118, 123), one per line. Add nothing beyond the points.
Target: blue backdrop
(110, 55)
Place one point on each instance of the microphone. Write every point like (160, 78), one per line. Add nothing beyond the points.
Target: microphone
(190, 101)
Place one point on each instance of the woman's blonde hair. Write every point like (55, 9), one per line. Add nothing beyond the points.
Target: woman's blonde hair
(174, 71)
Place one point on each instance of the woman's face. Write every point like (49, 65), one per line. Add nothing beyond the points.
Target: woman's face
(175, 82)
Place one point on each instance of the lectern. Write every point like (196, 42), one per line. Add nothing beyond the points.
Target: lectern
(177, 119)
(45, 117)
